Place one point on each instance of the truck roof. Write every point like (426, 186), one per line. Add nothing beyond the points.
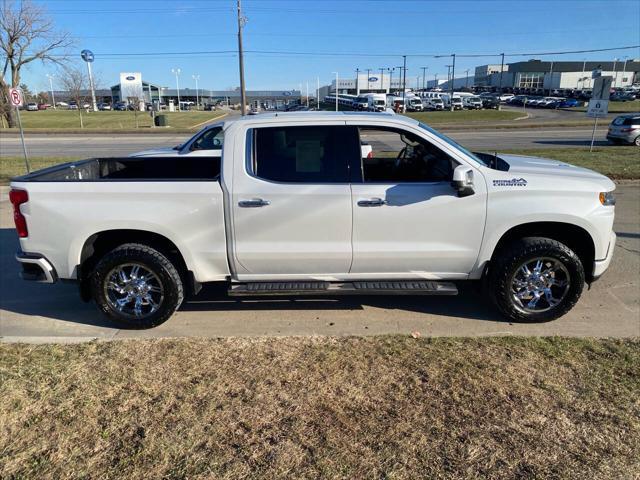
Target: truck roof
(320, 115)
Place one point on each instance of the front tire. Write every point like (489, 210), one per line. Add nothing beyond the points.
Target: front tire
(535, 279)
(136, 286)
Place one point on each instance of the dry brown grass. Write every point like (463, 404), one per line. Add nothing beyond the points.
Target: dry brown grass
(385, 407)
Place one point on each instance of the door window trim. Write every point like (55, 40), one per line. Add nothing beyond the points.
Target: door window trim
(360, 166)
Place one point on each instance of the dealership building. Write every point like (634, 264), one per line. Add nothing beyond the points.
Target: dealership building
(538, 75)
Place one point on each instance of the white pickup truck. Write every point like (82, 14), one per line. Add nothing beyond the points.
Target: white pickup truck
(294, 207)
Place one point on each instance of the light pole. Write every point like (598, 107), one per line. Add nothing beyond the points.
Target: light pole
(357, 81)
(336, 90)
(317, 93)
(615, 64)
(196, 78)
(435, 80)
(176, 72)
(381, 78)
(466, 83)
(368, 75)
(53, 98)
(424, 76)
(307, 95)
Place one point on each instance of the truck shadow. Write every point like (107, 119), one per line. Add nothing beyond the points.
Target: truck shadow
(61, 302)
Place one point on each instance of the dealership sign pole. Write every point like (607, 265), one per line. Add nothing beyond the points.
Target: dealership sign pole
(599, 103)
(17, 100)
(87, 56)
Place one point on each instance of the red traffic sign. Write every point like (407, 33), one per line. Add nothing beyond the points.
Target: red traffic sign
(15, 96)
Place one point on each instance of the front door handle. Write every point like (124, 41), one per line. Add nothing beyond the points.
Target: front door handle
(253, 203)
(372, 202)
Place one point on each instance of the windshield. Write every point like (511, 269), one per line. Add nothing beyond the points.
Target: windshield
(379, 102)
(453, 144)
(436, 100)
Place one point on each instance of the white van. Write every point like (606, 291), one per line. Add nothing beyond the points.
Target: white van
(377, 102)
(472, 102)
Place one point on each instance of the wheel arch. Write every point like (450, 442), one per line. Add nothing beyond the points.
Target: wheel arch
(100, 243)
(573, 236)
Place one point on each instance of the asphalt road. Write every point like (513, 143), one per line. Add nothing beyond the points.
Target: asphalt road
(44, 313)
(93, 145)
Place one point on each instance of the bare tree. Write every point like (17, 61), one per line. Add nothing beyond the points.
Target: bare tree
(26, 34)
(76, 82)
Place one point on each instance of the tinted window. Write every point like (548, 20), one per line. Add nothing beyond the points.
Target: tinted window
(314, 154)
(395, 156)
(209, 140)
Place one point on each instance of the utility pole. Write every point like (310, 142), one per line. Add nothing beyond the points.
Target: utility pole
(404, 79)
(435, 80)
(368, 74)
(391, 78)
(624, 68)
(307, 94)
(357, 81)
(241, 22)
(466, 83)
(501, 70)
(615, 63)
(176, 72)
(53, 98)
(336, 90)
(381, 78)
(196, 78)
(318, 93)
(453, 77)
(424, 76)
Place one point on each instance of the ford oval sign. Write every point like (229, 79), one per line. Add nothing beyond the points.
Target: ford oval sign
(373, 79)
(130, 77)
(87, 55)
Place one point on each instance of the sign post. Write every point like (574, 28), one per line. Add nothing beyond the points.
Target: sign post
(15, 96)
(599, 103)
(88, 57)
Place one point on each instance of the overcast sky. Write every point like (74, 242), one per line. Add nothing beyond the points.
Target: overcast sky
(352, 34)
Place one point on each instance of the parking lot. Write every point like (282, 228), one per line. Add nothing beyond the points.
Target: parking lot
(41, 313)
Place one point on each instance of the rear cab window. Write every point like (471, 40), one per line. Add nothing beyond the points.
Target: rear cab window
(303, 154)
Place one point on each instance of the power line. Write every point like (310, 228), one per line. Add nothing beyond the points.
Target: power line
(353, 54)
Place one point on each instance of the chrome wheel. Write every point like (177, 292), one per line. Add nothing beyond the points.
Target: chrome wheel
(133, 290)
(539, 285)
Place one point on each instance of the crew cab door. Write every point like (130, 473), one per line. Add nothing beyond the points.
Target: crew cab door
(408, 221)
(291, 201)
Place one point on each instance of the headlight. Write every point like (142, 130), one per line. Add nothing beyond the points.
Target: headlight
(608, 199)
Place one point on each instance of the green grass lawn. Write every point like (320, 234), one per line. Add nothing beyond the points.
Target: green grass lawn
(109, 120)
(335, 408)
(613, 161)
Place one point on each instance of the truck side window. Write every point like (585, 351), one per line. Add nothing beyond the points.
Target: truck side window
(314, 154)
(209, 140)
(397, 156)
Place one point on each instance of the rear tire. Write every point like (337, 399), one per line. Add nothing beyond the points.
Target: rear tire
(636, 142)
(535, 279)
(136, 286)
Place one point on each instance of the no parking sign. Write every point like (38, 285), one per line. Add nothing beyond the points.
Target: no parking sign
(15, 97)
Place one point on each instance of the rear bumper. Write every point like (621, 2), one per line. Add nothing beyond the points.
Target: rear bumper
(36, 268)
(600, 266)
(625, 137)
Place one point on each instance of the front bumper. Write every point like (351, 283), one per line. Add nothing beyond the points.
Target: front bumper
(600, 266)
(36, 268)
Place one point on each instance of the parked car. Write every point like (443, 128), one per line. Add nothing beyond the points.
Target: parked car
(43, 106)
(566, 103)
(549, 102)
(292, 208)
(32, 107)
(104, 106)
(490, 101)
(622, 97)
(122, 106)
(505, 97)
(62, 104)
(73, 106)
(433, 103)
(625, 129)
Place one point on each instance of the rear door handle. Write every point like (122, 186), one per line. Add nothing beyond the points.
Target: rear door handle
(253, 203)
(372, 202)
